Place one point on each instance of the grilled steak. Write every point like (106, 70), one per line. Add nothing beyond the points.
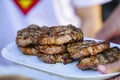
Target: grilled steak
(52, 59)
(29, 35)
(86, 48)
(59, 35)
(52, 49)
(108, 56)
(29, 50)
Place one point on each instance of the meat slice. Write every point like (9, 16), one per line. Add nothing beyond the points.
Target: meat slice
(30, 35)
(108, 56)
(52, 49)
(29, 50)
(52, 59)
(59, 35)
(86, 48)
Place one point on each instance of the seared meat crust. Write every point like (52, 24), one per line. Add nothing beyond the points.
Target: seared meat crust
(52, 49)
(59, 35)
(29, 50)
(108, 56)
(86, 48)
(47, 58)
(29, 35)
(52, 59)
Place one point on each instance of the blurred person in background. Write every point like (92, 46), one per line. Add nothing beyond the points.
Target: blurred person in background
(110, 30)
(18, 14)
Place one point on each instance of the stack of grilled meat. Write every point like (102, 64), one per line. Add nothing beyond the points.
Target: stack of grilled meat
(65, 44)
(49, 44)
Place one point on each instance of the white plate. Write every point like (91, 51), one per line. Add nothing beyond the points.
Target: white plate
(12, 53)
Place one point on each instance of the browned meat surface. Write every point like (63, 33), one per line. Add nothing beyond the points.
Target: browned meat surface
(29, 50)
(52, 49)
(108, 56)
(52, 59)
(59, 35)
(86, 48)
(29, 35)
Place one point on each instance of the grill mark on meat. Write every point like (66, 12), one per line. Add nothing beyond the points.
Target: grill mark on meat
(108, 56)
(59, 35)
(52, 59)
(52, 49)
(29, 35)
(86, 48)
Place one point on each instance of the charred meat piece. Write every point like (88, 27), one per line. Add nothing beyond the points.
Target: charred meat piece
(29, 50)
(86, 48)
(52, 49)
(59, 35)
(52, 59)
(108, 56)
(29, 35)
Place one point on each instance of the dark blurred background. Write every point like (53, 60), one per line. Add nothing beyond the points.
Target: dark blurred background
(107, 9)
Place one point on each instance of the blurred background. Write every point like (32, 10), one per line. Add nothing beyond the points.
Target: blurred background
(87, 15)
(108, 8)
